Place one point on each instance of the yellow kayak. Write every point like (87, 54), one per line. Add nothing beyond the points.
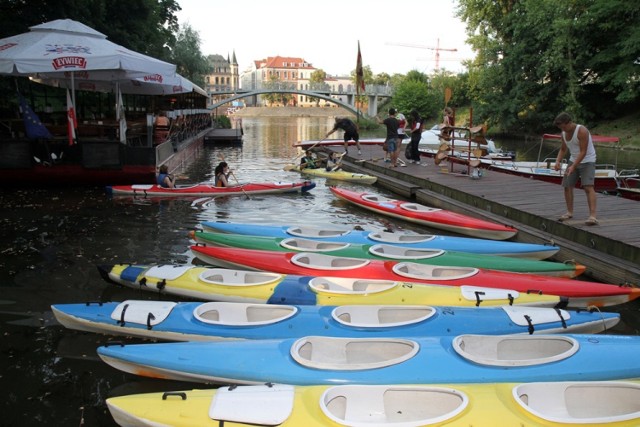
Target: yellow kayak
(588, 403)
(221, 284)
(339, 175)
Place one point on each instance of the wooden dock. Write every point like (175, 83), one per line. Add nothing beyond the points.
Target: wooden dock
(610, 250)
(223, 136)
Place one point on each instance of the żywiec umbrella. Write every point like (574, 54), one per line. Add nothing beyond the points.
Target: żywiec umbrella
(67, 45)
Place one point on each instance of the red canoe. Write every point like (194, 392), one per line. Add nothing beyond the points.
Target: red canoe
(431, 217)
(316, 264)
(208, 189)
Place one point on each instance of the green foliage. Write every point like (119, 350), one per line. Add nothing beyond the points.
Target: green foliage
(190, 61)
(415, 94)
(222, 122)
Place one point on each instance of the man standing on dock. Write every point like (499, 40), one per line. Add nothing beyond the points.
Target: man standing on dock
(582, 164)
(350, 132)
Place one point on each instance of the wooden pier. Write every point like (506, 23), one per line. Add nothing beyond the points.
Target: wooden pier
(610, 250)
(223, 136)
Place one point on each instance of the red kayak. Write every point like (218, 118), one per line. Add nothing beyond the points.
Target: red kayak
(316, 264)
(432, 217)
(208, 189)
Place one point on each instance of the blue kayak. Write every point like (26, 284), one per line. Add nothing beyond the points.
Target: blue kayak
(207, 321)
(318, 360)
(409, 240)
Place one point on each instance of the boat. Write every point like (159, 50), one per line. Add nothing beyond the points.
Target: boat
(208, 189)
(211, 321)
(382, 251)
(338, 175)
(561, 403)
(607, 177)
(316, 264)
(425, 215)
(629, 188)
(230, 285)
(319, 360)
(404, 239)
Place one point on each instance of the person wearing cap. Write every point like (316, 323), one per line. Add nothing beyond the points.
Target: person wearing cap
(391, 142)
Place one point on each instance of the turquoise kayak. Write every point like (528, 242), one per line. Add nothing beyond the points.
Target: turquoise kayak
(317, 360)
(383, 251)
(209, 321)
(408, 240)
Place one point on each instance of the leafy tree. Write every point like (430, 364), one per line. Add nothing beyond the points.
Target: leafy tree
(318, 76)
(190, 61)
(272, 98)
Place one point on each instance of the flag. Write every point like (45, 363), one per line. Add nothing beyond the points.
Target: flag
(72, 121)
(359, 70)
(122, 121)
(32, 124)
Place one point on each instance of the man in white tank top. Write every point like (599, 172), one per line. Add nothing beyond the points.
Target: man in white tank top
(582, 164)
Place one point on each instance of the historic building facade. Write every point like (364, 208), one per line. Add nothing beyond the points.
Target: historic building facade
(223, 77)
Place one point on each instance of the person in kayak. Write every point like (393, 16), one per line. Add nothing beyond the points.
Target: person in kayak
(221, 175)
(308, 161)
(350, 132)
(334, 162)
(164, 178)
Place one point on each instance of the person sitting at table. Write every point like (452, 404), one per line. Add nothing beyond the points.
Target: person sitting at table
(165, 179)
(161, 128)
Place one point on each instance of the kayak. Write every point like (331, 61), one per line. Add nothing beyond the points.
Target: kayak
(316, 264)
(553, 404)
(218, 284)
(339, 175)
(408, 240)
(383, 251)
(208, 189)
(318, 360)
(424, 215)
(210, 321)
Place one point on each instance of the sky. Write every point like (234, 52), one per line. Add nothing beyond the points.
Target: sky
(325, 33)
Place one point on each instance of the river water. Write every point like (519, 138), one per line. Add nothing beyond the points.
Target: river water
(53, 239)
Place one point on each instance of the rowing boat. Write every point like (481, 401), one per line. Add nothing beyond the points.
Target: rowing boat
(382, 251)
(316, 264)
(318, 360)
(552, 404)
(338, 175)
(218, 284)
(424, 215)
(408, 240)
(211, 321)
(208, 189)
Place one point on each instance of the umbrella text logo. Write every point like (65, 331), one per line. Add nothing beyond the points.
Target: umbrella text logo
(69, 62)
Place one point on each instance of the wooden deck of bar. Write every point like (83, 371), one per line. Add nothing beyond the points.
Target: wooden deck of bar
(610, 250)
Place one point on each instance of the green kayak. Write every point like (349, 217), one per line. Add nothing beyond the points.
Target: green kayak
(390, 252)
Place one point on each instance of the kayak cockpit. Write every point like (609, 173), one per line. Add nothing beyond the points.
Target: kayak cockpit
(399, 252)
(229, 277)
(413, 270)
(339, 285)
(327, 262)
(242, 314)
(376, 316)
(400, 238)
(301, 244)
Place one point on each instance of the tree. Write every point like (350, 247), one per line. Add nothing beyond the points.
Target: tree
(317, 77)
(186, 54)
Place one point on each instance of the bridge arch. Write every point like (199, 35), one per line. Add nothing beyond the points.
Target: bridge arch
(240, 95)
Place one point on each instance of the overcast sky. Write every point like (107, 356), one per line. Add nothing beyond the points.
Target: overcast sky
(326, 32)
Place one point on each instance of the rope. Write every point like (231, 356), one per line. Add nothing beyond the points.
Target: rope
(593, 308)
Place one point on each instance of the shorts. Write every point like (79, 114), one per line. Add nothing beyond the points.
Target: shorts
(348, 136)
(390, 143)
(585, 171)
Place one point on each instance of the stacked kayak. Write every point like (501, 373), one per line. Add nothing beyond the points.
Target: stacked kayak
(318, 360)
(317, 264)
(424, 215)
(208, 321)
(262, 287)
(338, 175)
(566, 403)
(382, 251)
(208, 189)
(408, 240)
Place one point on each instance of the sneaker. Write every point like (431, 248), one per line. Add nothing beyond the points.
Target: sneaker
(359, 153)
(387, 161)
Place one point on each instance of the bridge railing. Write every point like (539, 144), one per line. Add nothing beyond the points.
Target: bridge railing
(322, 88)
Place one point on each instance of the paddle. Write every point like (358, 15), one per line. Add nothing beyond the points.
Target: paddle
(307, 149)
(338, 162)
(234, 177)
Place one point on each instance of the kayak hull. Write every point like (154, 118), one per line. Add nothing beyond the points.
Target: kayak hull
(205, 189)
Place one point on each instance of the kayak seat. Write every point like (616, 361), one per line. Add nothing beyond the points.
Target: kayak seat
(241, 314)
(352, 353)
(415, 207)
(322, 262)
(315, 232)
(228, 277)
(426, 272)
(521, 350)
(588, 402)
(391, 405)
(386, 237)
(299, 244)
(350, 286)
(377, 316)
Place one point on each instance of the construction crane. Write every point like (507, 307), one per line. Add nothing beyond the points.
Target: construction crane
(437, 49)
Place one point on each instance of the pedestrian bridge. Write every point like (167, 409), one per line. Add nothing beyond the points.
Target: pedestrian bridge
(372, 92)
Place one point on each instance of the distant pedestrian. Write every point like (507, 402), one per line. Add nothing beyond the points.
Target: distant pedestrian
(350, 132)
(402, 132)
(415, 124)
(448, 122)
(390, 144)
(582, 164)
